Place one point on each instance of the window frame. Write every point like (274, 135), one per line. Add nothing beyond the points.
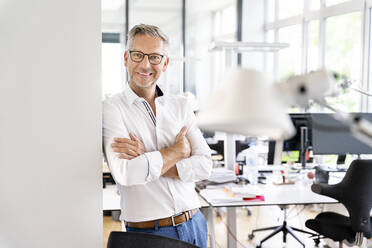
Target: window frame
(321, 14)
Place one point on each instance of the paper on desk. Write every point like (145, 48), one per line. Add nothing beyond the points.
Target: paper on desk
(246, 192)
(218, 196)
(222, 175)
(226, 195)
(219, 186)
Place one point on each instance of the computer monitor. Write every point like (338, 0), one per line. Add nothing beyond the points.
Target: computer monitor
(299, 121)
(331, 136)
(300, 143)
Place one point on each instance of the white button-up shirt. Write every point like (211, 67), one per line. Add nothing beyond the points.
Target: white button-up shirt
(145, 195)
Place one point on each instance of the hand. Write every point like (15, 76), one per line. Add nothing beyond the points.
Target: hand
(182, 144)
(128, 148)
(171, 155)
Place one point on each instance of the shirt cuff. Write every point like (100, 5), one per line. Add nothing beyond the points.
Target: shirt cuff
(184, 171)
(155, 163)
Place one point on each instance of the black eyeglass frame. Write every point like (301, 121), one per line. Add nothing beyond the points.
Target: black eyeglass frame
(145, 54)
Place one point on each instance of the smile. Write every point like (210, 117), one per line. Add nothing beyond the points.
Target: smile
(145, 75)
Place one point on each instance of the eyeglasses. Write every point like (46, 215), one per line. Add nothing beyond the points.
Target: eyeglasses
(154, 58)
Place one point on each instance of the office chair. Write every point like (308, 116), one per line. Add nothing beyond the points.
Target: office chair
(282, 228)
(144, 240)
(355, 193)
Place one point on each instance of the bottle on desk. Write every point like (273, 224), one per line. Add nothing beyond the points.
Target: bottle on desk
(250, 170)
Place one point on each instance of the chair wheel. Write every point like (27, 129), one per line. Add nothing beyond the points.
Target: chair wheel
(251, 236)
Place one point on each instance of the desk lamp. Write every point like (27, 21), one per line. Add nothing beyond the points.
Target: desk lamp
(245, 103)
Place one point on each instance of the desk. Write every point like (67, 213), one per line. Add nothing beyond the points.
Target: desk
(293, 194)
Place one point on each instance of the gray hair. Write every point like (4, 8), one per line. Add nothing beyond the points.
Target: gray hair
(149, 30)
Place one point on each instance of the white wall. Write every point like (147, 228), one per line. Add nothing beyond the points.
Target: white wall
(50, 124)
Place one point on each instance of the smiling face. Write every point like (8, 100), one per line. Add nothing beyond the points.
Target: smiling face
(143, 74)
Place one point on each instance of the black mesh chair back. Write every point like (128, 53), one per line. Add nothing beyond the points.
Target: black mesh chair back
(144, 240)
(355, 193)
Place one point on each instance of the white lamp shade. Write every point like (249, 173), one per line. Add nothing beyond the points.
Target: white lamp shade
(245, 103)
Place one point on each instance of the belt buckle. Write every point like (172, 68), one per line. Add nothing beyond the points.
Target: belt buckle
(173, 216)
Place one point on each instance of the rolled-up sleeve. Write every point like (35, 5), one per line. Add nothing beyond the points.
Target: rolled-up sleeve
(140, 170)
(199, 165)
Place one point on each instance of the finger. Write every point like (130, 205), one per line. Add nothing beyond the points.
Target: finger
(181, 133)
(133, 137)
(128, 151)
(124, 145)
(131, 152)
(125, 156)
(138, 143)
(123, 140)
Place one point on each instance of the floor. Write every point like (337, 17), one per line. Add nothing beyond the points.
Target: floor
(261, 217)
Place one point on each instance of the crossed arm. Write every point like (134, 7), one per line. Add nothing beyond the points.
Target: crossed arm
(131, 164)
(134, 147)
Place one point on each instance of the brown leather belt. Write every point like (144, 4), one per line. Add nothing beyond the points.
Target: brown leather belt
(170, 221)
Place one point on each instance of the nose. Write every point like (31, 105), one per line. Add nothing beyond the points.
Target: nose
(145, 62)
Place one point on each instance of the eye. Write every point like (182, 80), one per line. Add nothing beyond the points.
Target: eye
(137, 55)
(155, 57)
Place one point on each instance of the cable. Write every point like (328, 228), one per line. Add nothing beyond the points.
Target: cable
(291, 217)
(230, 232)
(227, 227)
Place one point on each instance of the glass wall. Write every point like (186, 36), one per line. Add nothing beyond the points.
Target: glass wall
(112, 69)
(206, 21)
(113, 29)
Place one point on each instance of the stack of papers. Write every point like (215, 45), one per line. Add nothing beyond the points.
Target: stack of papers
(232, 194)
(222, 175)
(246, 193)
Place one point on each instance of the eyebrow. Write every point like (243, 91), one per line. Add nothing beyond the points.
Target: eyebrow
(146, 53)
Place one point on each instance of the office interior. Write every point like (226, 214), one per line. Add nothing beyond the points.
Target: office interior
(61, 59)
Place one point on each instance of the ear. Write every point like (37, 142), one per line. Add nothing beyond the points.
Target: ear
(126, 58)
(165, 66)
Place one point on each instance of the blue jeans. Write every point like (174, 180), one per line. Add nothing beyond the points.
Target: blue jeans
(193, 231)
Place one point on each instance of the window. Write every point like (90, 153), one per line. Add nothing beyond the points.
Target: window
(290, 58)
(342, 55)
(112, 69)
(216, 21)
(270, 10)
(289, 8)
(334, 2)
(313, 46)
(322, 36)
(314, 4)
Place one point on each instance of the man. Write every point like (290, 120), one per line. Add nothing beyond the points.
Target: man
(154, 149)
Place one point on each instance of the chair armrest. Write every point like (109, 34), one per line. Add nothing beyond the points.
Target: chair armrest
(332, 191)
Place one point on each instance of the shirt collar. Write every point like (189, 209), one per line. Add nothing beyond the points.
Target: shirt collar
(132, 96)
